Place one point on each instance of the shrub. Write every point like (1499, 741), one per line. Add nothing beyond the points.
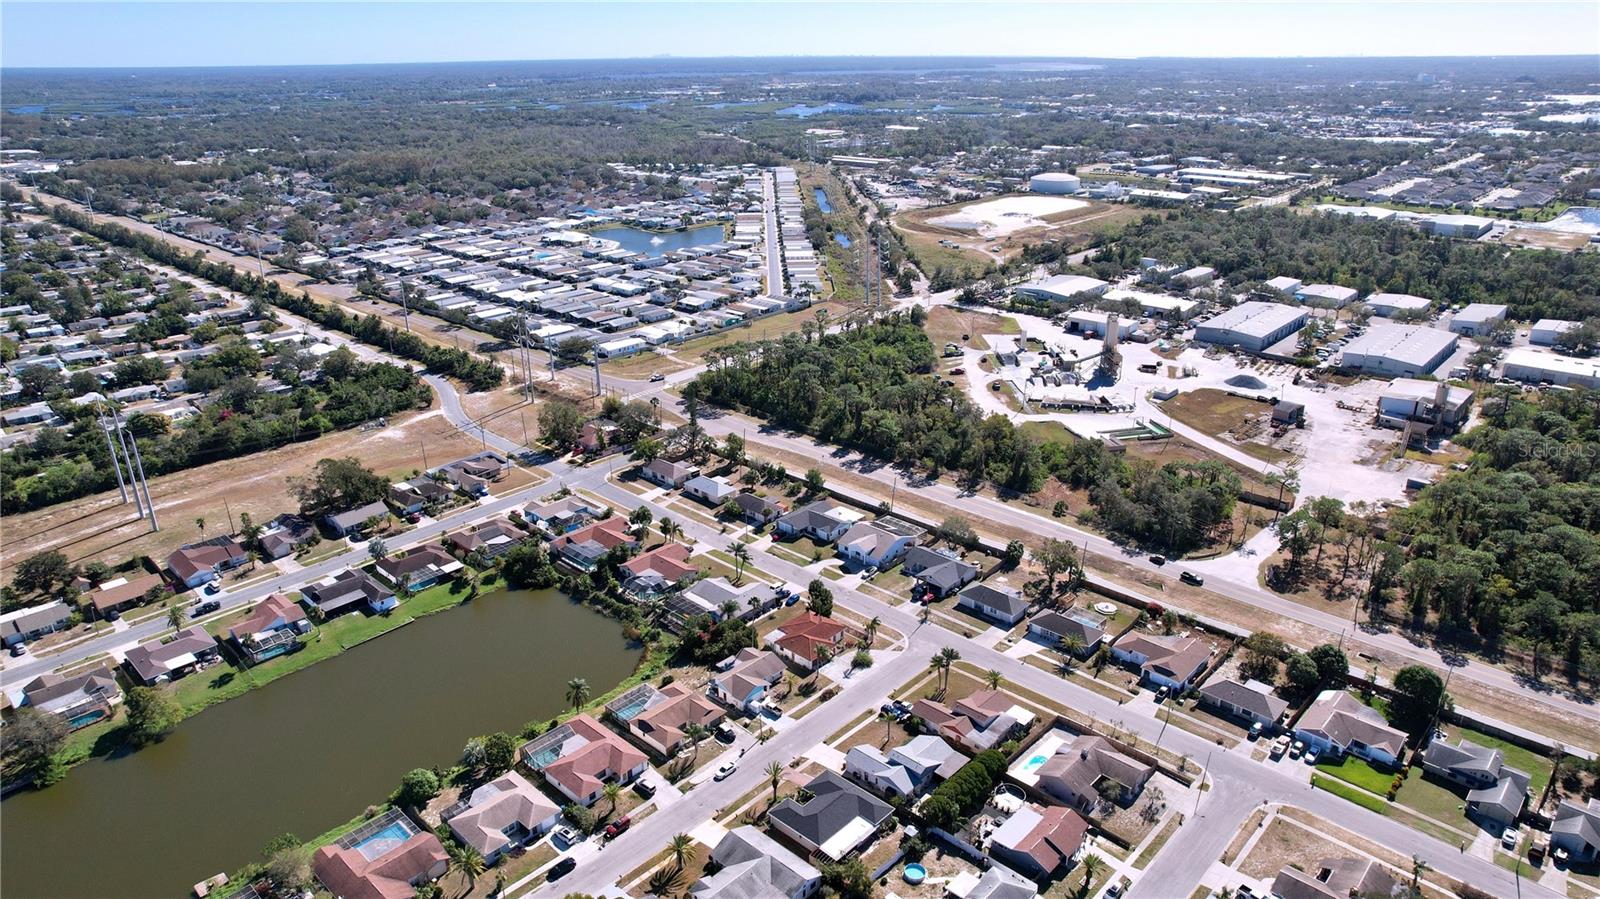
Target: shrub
(417, 787)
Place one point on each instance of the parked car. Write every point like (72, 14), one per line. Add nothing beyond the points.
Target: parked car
(1158, 560)
(1257, 729)
(791, 599)
(1280, 746)
(1508, 839)
(569, 836)
(656, 377)
(1297, 749)
(725, 732)
(20, 650)
(1189, 577)
(213, 587)
(726, 771)
(1311, 758)
(206, 608)
(618, 827)
(644, 790)
(561, 869)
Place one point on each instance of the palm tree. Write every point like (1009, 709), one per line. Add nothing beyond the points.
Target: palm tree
(950, 656)
(1418, 868)
(174, 615)
(1092, 866)
(1070, 646)
(577, 692)
(679, 847)
(741, 555)
(872, 629)
(888, 726)
(993, 678)
(201, 524)
(612, 791)
(669, 528)
(939, 664)
(694, 733)
(774, 772)
(466, 861)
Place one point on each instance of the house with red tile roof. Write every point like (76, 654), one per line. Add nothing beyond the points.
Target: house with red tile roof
(385, 858)
(804, 640)
(661, 725)
(585, 547)
(272, 628)
(580, 756)
(658, 570)
(199, 563)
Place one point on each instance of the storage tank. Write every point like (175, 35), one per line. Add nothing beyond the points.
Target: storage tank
(1054, 183)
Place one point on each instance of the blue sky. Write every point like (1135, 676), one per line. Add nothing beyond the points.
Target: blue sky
(227, 33)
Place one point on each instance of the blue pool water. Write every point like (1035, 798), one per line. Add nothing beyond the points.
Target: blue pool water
(842, 239)
(1033, 764)
(383, 841)
(822, 199)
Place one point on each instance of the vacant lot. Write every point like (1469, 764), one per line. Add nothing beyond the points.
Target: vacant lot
(972, 251)
(948, 324)
(102, 527)
(1236, 419)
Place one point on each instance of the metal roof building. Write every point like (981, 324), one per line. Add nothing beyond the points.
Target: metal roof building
(1399, 350)
(1253, 326)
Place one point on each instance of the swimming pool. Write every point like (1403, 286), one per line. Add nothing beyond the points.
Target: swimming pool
(1033, 764)
(383, 841)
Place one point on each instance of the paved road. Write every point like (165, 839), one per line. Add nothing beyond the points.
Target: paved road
(769, 208)
(1239, 784)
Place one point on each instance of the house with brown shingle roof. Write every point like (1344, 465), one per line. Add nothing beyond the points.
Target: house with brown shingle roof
(1337, 723)
(157, 662)
(418, 568)
(1171, 661)
(804, 639)
(1088, 769)
(79, 700)
(492, 539)
(747, 678)
(1039, 841)
(980, 721)
(658, 570)
(201, 562)
(585, 547)
(661, 725)
(122, 594)
(272, 628)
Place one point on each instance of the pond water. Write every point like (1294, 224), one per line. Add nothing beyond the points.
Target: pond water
(657, 243)
(307, 752)
(822, 199)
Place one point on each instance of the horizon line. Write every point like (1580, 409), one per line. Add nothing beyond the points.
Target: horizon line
(808, 56)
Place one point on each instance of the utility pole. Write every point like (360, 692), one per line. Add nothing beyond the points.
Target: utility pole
(232, 528)
(405, 304)
(139, 466)
(115, 465)
(1199, 791)
(525, 440)
(133, 478)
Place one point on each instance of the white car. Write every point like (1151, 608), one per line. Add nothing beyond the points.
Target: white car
(1508, 839)
(726, 771)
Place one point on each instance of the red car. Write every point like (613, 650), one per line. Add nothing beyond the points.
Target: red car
(618, 827)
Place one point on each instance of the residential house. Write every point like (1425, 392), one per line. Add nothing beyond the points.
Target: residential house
(598, 435)
(559, 516)
(199, 563)
(1497, 791)
(1003, 605)
(708, 596)
(998, 882)
(411, 497)
(1053, 627)
(876, 544)
(1575, 830)
(982, 720)
(343, 524)
(937, 573)
(806, 640)
(80, 700)
(285, 534)
(349, 589)
(121, 594)
(837, 818)
(1337, 723)
(418, 568)
(1336, 878)
(905, 770)
(746, 678)
(157, 662)
(492, 539)
(585, 547)
(365, 865)
(757, 510)
(673, 708)
(1039, 842)
(272, 628)
(581, 756)
(711, 491)
(473, 474)
(751, 865)
(1251, 700)
(824, 521)
(1171, 661)
(671, 475)
(1089, 769)
(501, 814)
(658, 571)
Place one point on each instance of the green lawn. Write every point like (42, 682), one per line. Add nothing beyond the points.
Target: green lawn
(1537, 766)
(1432, 799)
(1358, 772)
(1340, 788)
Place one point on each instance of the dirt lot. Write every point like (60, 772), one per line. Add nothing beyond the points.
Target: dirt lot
(101, 527)
(1549, 240)
(1236, 419)
(947, 324)
(973, 251)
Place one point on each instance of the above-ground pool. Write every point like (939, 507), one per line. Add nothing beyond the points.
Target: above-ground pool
(914, 873)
